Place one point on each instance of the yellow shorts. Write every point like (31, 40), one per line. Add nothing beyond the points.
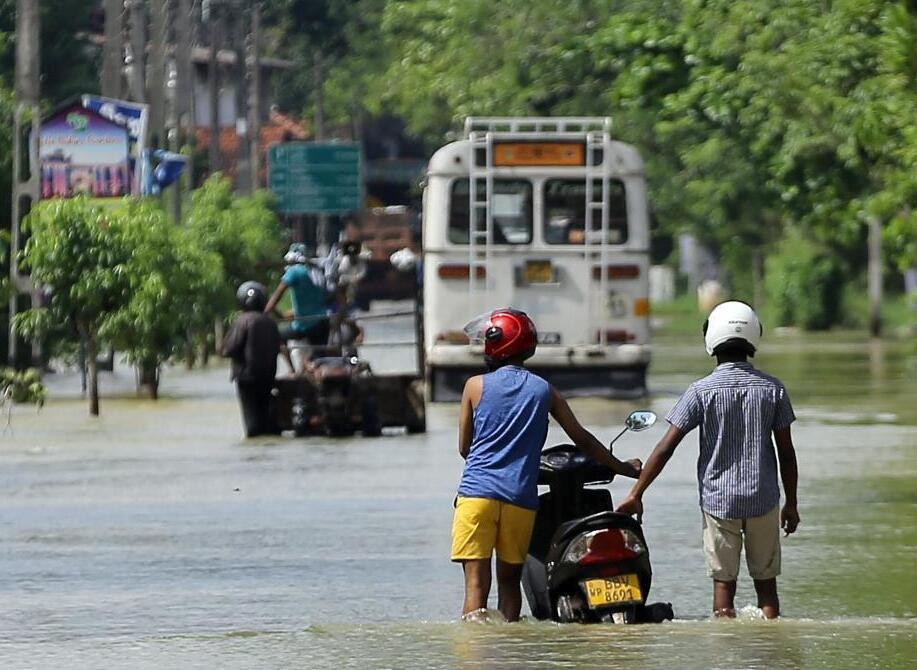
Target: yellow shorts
(481, 525)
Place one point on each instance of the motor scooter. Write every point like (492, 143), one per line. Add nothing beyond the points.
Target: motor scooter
(587, 563)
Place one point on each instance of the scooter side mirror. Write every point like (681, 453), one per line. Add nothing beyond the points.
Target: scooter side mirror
(640, 420)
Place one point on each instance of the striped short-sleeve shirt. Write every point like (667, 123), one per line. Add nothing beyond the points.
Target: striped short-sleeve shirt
(736, 408)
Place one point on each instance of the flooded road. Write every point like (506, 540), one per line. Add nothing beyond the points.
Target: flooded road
(154, 537)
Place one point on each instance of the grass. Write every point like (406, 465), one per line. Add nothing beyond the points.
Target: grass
(682, 316)
(677, 317)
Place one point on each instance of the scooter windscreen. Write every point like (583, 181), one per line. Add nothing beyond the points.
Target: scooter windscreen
(477, 327)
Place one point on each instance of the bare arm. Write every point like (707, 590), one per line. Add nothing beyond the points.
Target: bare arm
(633, 503)
(275, 298)
(471, 396)
(586, 441)
(789, 474)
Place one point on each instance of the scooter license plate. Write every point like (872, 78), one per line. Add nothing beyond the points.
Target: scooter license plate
(617, 590)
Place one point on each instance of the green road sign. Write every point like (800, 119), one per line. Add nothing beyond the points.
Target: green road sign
(309, 178)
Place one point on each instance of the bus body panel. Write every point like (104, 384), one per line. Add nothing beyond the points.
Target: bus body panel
(590, 341)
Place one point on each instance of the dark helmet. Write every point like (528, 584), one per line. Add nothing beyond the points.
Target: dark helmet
(252, 296)
(510, 333)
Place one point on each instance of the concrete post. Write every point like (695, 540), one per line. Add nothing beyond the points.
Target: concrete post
(213, 80)
(254, 107)
(156, 74)
(137, 83)
(112, 55)
(25, 189)
(243, 166)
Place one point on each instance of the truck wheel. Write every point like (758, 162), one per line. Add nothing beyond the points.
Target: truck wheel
(371, 425)
(415, 409)
(417, 428)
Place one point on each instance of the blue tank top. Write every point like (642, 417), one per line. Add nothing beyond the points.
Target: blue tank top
(510, 428)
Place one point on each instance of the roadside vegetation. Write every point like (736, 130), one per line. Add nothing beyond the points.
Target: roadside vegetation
(773, 130)
(128, 277)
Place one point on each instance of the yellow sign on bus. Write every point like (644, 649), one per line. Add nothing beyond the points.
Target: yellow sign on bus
(513, 154)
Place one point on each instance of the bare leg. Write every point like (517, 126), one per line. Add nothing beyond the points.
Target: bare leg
(767, 597)
(509, 594)
(724, 595)
(477, 584)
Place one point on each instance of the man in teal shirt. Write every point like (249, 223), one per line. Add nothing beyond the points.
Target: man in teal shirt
(309, 319)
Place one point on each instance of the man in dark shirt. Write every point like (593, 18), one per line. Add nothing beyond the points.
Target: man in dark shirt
(253, 342)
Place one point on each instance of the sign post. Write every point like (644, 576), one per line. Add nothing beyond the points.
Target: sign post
(313, 178)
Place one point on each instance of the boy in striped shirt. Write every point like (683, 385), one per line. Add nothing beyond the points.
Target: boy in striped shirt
(737, 409)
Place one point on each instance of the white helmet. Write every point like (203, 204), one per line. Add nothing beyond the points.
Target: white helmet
(732, 320)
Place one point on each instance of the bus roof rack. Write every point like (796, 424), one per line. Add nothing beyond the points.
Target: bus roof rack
(537, 124)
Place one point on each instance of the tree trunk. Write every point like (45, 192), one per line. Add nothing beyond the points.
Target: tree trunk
(874, 276)
(218, 332)
(92, 349)
(148, 379)
(190, 353)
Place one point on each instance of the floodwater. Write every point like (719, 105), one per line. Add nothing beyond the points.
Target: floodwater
(154, 537)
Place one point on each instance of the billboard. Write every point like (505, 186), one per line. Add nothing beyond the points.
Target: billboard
(134, 116)
(83, 152)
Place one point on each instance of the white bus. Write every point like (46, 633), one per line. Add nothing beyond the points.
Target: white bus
(547, 215)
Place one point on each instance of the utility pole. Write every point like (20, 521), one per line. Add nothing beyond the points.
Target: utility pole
(112, 55)
(213, 17)
(182, 100)
(137, 83)
(254, 107)
(156, 74)
(25, 189)
(243, 169)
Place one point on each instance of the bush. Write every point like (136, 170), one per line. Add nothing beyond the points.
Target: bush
(21, 387)
(804, 284)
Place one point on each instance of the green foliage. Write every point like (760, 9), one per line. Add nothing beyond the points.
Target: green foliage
(68, 64)
(803, 284)
(901, 239)
(21, 387)
(173, 283)
(754, 116)
(128, 276)
(242, 231)
(80, 253)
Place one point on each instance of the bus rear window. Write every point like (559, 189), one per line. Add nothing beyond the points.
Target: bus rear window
(510, 206)
(565, 211)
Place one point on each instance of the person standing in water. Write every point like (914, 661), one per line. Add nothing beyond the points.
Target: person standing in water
(253, 342)
(503, 425)
(737, 409)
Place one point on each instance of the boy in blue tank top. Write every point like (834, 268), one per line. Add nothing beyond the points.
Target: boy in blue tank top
(503, 425)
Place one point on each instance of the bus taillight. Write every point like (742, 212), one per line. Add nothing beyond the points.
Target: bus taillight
(642, 307)
(617, 272)
(459, 271)
(616, 336)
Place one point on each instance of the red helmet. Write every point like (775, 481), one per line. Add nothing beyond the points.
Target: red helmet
(510, 332)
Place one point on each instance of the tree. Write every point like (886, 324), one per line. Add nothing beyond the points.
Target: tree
(173, 283)
(242, 231)
(79, 254)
